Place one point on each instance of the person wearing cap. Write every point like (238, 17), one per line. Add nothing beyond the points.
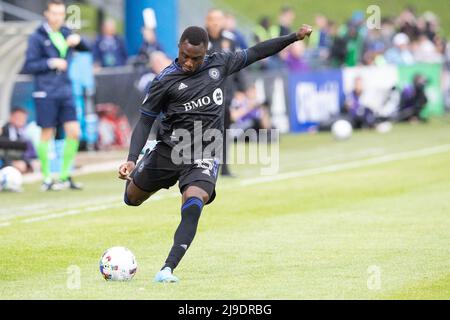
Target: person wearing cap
(400, 54)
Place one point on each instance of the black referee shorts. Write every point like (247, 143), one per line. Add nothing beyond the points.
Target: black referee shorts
(156, 171)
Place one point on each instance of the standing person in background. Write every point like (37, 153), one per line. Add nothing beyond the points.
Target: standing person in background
(158, 62)
(285, 21)
(48, 55)
(319, 40)
(222, 41)
(354, 45)
(150, 44)
(263, 32)
(230, 26)
(109, 48)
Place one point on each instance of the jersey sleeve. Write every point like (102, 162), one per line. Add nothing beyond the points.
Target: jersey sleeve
(234, 61)
(155, 99)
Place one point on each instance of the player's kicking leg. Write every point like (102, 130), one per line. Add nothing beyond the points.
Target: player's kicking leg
(194, 198)
(134, 196)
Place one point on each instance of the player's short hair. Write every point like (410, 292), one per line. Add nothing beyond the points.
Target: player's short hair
(18, 109)
(215, 10)
(55, 2)
(286, 9)
(195, 36)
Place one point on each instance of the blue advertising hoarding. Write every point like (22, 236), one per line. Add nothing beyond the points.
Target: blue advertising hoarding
(314, 97)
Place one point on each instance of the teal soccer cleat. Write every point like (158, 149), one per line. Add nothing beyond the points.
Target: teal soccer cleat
(165, 275)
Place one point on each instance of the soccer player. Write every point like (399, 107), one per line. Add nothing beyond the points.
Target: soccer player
(187, 96)
(48, 55)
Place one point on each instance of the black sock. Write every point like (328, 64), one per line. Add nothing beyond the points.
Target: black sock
(190, 214)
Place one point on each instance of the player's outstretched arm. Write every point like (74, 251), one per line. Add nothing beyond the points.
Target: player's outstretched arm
(270, 47)
(138, 140)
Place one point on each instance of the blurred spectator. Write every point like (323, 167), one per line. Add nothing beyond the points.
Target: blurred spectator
(338, 47)
(247, 112)
(407, 23)
(158, 62)
(220, 41)
(150, 44)
(400, 54)
(114, 129)
(14, 130)
(400, 41)
(354, 45)
(374, 48)
(262, 31)
(295, 57)
(424, 50)
(285, 21)
(319, 43)
(109, 48)
(431, 27)
(413, 100)
(387, 31)
(319, 37)
(230, 26)
(360, 115)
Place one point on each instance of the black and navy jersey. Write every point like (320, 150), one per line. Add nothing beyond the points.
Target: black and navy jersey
(191, 102)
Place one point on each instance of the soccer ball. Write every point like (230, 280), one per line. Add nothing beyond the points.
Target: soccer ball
(10, 179)
(342, 129)
(384, 127)
(118, 264)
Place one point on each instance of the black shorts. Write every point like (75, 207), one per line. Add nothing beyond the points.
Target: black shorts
(51, 112)
(156, 171)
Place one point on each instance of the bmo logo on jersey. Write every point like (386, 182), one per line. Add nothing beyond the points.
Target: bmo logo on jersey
(217, 97)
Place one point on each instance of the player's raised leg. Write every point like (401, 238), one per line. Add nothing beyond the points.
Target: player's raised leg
(194, 198)
(134, 196)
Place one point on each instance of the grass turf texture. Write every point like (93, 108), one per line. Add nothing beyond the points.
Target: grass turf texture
(314, 237)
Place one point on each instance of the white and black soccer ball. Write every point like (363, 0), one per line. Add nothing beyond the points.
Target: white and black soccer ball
(342, 129)
(118, 264)
(10, 179)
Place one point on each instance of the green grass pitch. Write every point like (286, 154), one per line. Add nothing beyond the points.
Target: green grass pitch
(366, 218)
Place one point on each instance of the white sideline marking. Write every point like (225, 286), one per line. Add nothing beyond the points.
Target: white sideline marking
(29, 211)
(349, 165)
(283, 176)
(92, 168)
(70, 213)
(89, 209)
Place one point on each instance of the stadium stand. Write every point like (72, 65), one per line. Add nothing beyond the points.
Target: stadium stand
(13, 43)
